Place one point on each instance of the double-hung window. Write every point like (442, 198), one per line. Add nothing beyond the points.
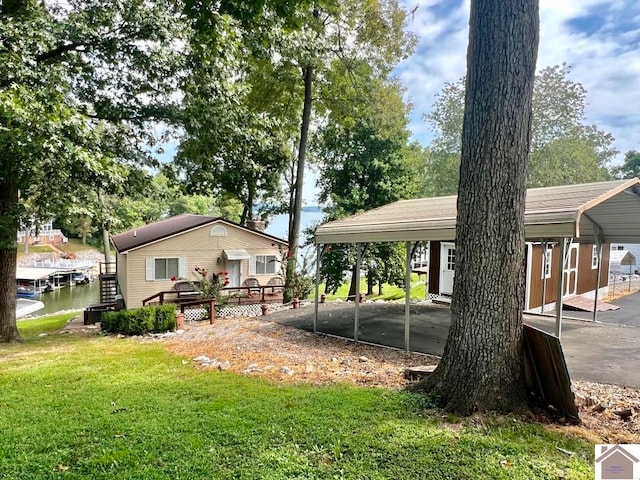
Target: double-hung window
(166, 268)
(594, 257)
(265, 264)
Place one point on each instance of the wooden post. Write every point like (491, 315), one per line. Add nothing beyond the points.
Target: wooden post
(212, 311)
(180, 323)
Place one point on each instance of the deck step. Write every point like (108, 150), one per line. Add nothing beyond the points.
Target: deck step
(584, 304)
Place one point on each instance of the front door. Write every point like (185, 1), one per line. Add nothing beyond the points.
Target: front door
(570, 277)
(447, 267)
(233, 267)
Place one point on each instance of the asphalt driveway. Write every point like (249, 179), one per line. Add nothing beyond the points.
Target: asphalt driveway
(596, 352)
(629, 313)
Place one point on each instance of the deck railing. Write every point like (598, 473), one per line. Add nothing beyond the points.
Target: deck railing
(107, 268)
(239, 295)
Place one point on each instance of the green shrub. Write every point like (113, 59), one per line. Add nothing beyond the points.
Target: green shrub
(165, 318)
(110, 321)
(140, 321)
(150, 319)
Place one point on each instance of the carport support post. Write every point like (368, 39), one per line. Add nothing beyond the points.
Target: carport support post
(356, 316)
(563, 252)
(595, 299)
(315, 313)
(407, 297)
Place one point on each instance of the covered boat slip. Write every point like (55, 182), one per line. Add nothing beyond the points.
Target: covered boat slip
(598, 213)
(41, 278)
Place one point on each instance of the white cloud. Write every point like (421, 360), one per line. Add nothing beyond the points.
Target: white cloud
(605, 61)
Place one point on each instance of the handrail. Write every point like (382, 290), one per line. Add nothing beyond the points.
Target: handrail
(261, 288)
(164, 293)
(107, 268)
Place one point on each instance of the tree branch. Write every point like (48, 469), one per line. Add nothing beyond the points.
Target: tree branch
(60, 50)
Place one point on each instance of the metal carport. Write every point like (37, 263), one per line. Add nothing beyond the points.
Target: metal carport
(604, 212)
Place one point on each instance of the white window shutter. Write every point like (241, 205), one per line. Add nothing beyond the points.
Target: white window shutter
(252, 265)
(151, 268)
(182, 267)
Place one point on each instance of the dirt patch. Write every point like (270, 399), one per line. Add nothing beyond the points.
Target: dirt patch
(282, 353)
(286, 354)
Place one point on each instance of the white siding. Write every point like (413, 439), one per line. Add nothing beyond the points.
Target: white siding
(195, 248)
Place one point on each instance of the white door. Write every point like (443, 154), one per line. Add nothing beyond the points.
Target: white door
(447, 267)
(233, 267)
(570, 277)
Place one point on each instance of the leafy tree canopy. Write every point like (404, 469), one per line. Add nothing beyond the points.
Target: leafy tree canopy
(563, 149)
(630, 168)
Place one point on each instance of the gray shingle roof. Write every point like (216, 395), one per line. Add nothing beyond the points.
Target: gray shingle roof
(169, 227)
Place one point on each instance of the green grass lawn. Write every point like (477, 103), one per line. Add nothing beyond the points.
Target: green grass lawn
(100, 407)
(74, 245)
(389, 292)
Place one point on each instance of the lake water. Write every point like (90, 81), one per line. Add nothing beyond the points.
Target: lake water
(69, 298)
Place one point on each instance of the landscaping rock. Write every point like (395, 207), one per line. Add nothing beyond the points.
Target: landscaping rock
(625, 413)
(363, 359)
(601, 407)
(419, 372)
(287, 371)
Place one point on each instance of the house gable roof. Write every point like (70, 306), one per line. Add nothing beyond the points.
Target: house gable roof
(577, 211)
(618, 449)
(170, 227)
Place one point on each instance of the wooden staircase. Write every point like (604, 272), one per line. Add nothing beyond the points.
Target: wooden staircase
(108, 283)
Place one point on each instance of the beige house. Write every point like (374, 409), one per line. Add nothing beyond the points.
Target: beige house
(154, 257)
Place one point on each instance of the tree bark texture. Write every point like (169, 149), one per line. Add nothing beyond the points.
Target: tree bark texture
(482, 366)
(8, 261)
(294, 230)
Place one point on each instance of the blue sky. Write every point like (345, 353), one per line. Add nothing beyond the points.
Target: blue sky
(599, 40)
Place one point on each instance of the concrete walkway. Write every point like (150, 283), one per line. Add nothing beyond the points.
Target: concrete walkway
(595, 352)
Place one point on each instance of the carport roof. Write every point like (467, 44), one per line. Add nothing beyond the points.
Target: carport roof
(570, 211)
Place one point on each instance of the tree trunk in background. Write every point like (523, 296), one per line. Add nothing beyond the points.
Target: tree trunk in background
(370, 283)
(106, 244)
(8, 261)
(294, 230)
(482, 366)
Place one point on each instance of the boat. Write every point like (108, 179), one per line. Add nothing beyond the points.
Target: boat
(26, 307)
(25, 291)
(80, 278)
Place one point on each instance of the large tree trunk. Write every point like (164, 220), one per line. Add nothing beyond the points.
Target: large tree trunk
(294, 230)
(8, 260)
(482, 366)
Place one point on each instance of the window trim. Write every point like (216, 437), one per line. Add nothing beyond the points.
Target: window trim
(151, 268)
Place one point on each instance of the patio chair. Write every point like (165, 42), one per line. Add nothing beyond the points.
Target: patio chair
(252, 284)
(276, 284)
